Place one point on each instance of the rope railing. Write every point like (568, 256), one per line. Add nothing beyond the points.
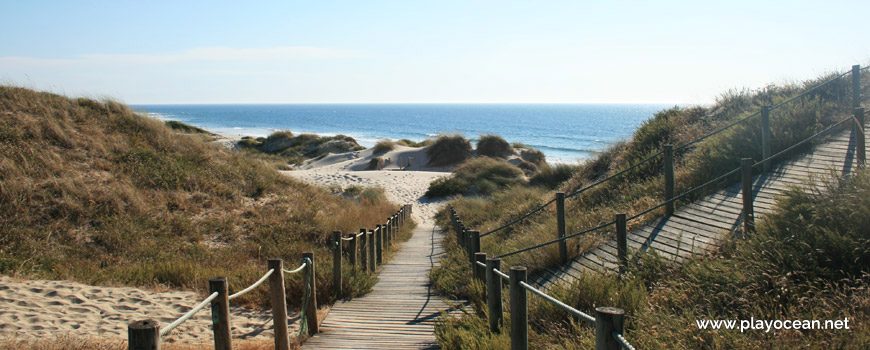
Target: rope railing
(147, 334)
(524, 216)
(808, 91)
(188, 315)
(560, 239)
(622, 342)
(251, 287)
(584, 189)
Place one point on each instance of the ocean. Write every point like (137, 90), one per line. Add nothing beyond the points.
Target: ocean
(565, 133)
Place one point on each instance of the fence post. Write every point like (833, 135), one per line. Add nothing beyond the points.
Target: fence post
(220, 313)
(519, 310)
(279, 304)
(560, 226)
(493, 294)
(311, 308)
(748, 212)
(379, 243)
(765, 137)
(364, 256)
(479, 271)
(856, 86)
(143, 335)
(669, 178)
(608, 320)
(353, 250)
(474, 244)
(336, 264)
(463, 233)
(621, 242)
(372, 261)
(860, 138)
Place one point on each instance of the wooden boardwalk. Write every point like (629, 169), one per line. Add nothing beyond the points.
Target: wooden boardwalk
(401, 310)
(697, 228)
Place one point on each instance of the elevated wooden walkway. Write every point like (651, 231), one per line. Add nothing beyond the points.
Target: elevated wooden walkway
(698, 228)
(401, 310)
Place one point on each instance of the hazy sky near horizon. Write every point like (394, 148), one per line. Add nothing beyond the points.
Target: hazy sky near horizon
(687, 52)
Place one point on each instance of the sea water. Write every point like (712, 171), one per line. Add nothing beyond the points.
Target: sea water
(566, 133)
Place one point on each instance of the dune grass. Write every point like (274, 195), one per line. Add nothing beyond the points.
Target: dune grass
(806, 262)
(95, 193)
(642, 188)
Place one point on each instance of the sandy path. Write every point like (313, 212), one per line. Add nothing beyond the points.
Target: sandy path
(401, 187)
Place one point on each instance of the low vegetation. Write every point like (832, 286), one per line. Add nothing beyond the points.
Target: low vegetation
(493, 146)
(409, 143)
(477, 176)
(294, 149)
(804, 263)
(383, 146)
(95, 193)
(665, 300)
(449, 150)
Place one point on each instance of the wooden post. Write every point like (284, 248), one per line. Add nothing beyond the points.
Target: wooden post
(143, 335)
(560, 226)
(493, 294)
(860, 138)
(364, 256)
(856, 86)
(463, 238)
(311, 308)
(279, 304)
(220, 313)
(474, 244)
(621, 242)
(669, 178)
(379, 243)
(479, 271)
(765, 137)
(354, 245)
(608, 320)
(748, 212)
(373, 266)
(336, 264)
(519, 309)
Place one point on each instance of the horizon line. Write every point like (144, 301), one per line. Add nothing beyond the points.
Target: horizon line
(423, 103)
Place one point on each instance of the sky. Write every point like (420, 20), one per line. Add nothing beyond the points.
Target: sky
(675, 52)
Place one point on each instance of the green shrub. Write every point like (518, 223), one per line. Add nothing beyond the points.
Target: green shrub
(447, 186)
(409, 143)
(376, 163)
(493, 146)
(533, 156)
(383, 146)
(477, 176)
(449, 150)
(551, 177)
(185, 128)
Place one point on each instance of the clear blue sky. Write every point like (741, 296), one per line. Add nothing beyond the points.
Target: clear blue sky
(144, 52)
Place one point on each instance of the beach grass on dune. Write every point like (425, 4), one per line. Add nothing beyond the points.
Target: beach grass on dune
(659, 324)
(96, 193)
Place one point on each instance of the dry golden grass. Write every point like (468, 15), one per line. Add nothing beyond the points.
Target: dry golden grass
(93, 192)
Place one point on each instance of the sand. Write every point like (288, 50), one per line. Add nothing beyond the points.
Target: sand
(40, 309)
(405, 177)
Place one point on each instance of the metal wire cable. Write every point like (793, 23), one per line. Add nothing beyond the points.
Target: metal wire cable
(185, 317)
(251, 287)
(810, 90)
(555, 240)
(572, 194)
(702, 138)
(580, 314)
(622, 342)
(792, 147)
(541, 207)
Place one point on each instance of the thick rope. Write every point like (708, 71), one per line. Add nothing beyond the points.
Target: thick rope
(542, 206)
(580, 314)
(572, 194)
(251, 287)
(185, 317)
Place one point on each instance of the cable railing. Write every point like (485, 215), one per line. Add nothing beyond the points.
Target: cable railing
(608, 322)
(147, 334)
